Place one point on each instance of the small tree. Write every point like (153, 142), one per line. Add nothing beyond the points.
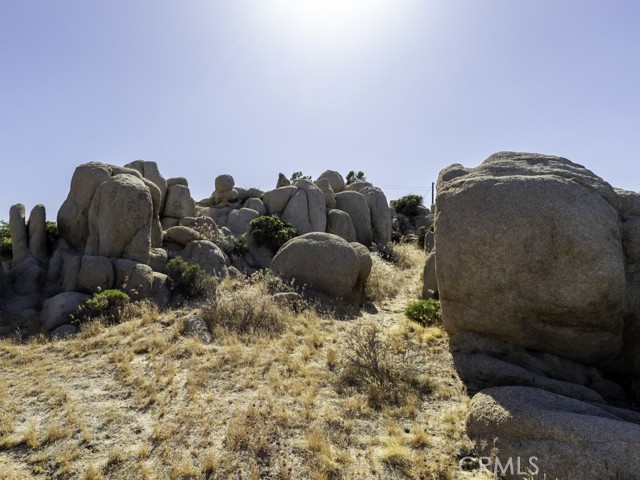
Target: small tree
(295, 176)
(352, 176)
(407, 205)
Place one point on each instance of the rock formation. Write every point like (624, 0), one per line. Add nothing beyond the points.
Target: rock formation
(535, 264)
(119, 226)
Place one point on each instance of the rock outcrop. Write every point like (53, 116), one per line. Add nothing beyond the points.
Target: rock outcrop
(119, 226)
(535, 265)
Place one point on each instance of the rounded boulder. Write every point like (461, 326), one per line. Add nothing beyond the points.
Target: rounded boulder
(322, 262)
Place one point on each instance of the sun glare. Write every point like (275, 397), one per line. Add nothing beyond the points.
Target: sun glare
(331, 22)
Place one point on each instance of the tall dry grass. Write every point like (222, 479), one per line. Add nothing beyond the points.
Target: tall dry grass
(398, 276)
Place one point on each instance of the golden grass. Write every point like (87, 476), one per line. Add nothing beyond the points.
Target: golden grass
(266, 399)
(400, 277)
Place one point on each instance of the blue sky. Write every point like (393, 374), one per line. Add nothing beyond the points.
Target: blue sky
(396, 88)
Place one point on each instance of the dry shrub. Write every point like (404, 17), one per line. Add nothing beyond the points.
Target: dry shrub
(408, 255)
(398, 274)
(324, 460)
(383, 282)
(245, 307)
(257, 433)
(389, 375)
(397, 456)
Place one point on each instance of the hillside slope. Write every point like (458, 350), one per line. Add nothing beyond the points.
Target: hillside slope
(142, 400)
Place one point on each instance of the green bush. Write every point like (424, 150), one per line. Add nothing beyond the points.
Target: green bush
(271, 232)
(407, 205)
(5, 239)
(190, 280)
(110, 305)
(240, 246)
(425, 312)
(51, 231)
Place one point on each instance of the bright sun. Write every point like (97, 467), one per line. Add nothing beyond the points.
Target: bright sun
(331, 22)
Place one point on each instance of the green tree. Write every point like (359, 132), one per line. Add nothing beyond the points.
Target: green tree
(353, 176)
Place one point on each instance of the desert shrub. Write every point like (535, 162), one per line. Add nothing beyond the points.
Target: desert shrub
(240, 246)
(206, 228)
(388, 375)
(5, 239)
(271, 231)
(51, 233)
(189, 280)
(353, 176)
(295, 176)
(425, 312)
(407, 205)
(383, 282)
(111, 306)
(405, 255)
(244, 307)
(394, 271)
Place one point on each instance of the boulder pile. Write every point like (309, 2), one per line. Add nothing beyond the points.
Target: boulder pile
(119, 226)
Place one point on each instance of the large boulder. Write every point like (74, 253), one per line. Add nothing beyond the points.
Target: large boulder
(355, 204)
(224, 193)
(322, 262)
(329, 195)
(134, 278)
(380, 217)
(96, 274)
(150, 171)
(305, 211)
(365, 263)
(276, 200)
(335, 180)
(58, 310)
(37, 233)
(207, 255)
(340, 223)
(429, 280)
(181, 235)
(19, 236)
(118, 235)
(179, 203)
(529, 251)
(239, 220)
(628, 362)
(73, 216)
(255, 204)
(552, 435)
(64, 267)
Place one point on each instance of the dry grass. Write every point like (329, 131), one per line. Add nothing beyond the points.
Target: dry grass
(266, 399)
(401, 277)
